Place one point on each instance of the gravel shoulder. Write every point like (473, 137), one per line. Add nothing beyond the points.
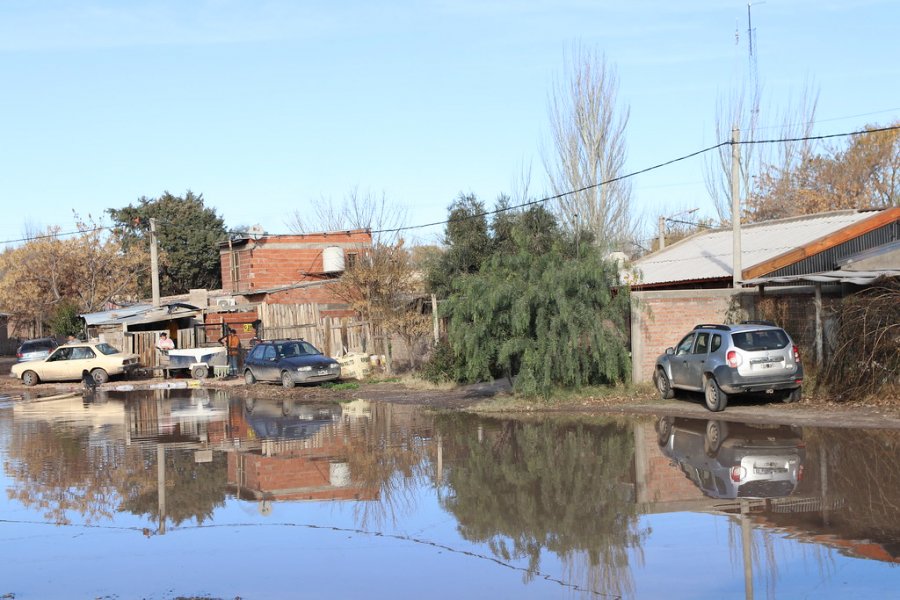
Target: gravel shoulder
(495, 398)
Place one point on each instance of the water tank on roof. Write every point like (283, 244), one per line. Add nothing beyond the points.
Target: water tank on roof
(333, 259)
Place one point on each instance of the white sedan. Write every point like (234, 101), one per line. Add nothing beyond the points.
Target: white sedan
(69, 362)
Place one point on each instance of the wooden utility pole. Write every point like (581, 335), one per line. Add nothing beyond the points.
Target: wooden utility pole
(435, 323)
(154, 262)
(736, 274)
(662, 232)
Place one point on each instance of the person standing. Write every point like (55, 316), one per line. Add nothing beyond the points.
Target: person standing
(233, 343)
(165, 343)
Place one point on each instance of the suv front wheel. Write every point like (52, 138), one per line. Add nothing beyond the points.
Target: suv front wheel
(716, 399)
(664, 385)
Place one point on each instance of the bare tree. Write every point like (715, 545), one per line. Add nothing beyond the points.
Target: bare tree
(358, 210)
(588, 148)
(743, 109)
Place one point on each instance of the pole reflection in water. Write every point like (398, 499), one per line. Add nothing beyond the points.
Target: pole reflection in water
(595, 507)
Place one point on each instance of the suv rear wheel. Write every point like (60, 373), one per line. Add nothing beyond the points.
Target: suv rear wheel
(716, 399)
(791, 396)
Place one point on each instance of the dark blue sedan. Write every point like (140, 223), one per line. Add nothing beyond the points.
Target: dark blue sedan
(290, 362)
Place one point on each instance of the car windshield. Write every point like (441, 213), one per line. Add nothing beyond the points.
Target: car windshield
(766, 339)
(107, 349)
(290, 349)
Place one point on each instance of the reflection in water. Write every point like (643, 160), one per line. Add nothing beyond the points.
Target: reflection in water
(526, 489)
(568, 497)
(734, 460)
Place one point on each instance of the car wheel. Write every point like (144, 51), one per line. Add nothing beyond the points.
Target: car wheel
(716, 399)
(286, 380)
(792, 396)
(249, 379)
(663, 430)
(199, 372)
(30, 378)
(716, 432)
(100, 376)
(664, 385)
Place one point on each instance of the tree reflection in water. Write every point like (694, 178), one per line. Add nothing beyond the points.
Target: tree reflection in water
(61, 471)
(388, 452)
(525, 488)
(193, 490)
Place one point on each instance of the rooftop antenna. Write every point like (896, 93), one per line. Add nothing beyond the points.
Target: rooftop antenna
(751, 33)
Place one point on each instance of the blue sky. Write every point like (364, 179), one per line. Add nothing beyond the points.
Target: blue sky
(272, 106)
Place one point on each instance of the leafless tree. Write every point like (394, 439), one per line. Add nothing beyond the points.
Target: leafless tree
(588, 148)
(358, 210)
(743, 109)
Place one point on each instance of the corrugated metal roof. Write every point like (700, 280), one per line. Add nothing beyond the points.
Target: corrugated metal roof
(140, 313)
(708, 255)
(857, 277)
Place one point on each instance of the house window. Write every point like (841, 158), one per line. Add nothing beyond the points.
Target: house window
(351, 259)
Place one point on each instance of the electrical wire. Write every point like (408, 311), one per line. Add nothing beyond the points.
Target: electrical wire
(556, 196)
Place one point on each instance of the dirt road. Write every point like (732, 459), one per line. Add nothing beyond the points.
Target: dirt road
(494, 398)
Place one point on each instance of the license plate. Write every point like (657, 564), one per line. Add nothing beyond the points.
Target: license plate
(323, 372)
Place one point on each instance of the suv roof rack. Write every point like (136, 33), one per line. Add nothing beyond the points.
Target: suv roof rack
(712, 326)
(760, 322)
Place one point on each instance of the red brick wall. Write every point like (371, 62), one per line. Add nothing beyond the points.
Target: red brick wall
(317, 294)
(664, 481)
(282, 260)
(236, 320)
(660, 319)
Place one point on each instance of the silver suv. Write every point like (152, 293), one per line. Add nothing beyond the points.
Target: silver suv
(721, 360)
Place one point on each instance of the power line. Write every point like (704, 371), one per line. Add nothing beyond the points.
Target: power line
(45, 236)
(829, 120)
(636, 173)
(549, 198)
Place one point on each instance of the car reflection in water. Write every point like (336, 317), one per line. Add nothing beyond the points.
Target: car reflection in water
(735, 460)
(288, 420)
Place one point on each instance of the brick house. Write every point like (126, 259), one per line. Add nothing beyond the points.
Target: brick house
(793, 271)
(290, 269)
(286, 285)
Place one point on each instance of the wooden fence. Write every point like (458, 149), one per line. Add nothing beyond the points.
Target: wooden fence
(334, 336)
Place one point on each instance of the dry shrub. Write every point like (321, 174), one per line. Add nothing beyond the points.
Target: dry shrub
(866, 355)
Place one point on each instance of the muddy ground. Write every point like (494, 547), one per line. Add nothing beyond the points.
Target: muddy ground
(496, 398)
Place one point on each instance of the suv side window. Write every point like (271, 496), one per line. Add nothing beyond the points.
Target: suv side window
(269, 352)
(716, 343)
(702, 344)
(684, 346)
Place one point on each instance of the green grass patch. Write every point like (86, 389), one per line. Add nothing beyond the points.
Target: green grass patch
(344, 385)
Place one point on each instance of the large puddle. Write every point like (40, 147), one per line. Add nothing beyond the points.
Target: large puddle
(180, 493)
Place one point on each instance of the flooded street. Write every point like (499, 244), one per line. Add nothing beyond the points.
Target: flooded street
(168, 493)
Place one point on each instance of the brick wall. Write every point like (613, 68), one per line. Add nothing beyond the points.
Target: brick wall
(663, 482)
(660, 319)
(275, 261)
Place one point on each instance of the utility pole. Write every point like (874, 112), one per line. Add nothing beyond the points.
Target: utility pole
(736, 269)
(154, 262)
(662, 232)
